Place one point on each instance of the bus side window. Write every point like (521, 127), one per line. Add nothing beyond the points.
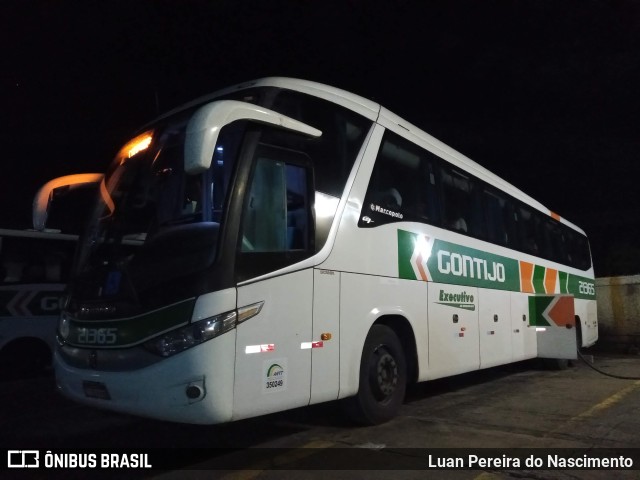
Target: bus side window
(34, 271)
(555, 241)
(510, 224)
(428, 204)
(496, 217)
(29, 259)
(529, 238)
(458, 194)
(297, 199)
(334, 152)
(579, 247)
(402, 186)
(276, 218)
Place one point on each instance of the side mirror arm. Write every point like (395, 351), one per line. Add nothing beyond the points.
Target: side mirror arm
(43, 197)
(205, 125)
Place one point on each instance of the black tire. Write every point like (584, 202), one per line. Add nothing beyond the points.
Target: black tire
(24, 358)
(383, 379)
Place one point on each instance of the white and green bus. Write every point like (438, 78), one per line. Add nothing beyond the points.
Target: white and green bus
(34, 268)
(282, 243)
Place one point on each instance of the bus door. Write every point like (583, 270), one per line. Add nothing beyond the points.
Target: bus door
(273, 364)
(273, 348)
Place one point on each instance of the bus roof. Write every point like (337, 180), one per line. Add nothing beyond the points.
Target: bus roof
(376, 112)
(392, 121)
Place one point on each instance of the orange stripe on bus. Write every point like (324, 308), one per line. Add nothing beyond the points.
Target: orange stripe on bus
(555, 216)
(563, 312)
(550, 279)
(526, 277)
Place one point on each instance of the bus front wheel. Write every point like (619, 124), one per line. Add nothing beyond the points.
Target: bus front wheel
(383, 378)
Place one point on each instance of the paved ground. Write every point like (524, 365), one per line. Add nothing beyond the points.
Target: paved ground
(516, 406)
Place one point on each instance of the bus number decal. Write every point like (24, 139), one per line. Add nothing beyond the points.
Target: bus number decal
(97, 336)
(586, 288)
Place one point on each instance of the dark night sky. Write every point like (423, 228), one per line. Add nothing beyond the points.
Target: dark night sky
(544, 93)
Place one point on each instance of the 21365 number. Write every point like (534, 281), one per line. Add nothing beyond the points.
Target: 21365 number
(98, 336)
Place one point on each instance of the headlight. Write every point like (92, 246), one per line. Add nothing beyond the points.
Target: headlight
(194, 334)
(63, 328)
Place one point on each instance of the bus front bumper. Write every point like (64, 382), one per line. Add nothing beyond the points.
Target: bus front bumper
(194, 386)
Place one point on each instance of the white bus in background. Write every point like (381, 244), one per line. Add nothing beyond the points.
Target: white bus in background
(34, 270)
(282, 243)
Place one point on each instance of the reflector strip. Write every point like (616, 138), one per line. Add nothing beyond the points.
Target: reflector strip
(305, 345)
(541, 329)
(269, 347)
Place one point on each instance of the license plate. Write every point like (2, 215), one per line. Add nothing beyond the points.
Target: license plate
(96, 390)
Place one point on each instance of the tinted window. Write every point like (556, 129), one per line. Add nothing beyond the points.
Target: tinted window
(334, 152)
(461, 211)
(29, 259)
(409, 183)
(402, 185)
(497, 214)
(277, 228)
(275, 217)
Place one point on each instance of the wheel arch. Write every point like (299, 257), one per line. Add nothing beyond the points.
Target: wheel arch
(403, 329)
(27, 342)
(579, 337)
(25, 356)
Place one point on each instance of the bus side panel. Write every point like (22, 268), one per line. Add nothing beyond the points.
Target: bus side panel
(524, 340)
(42, 328)
(30, 310)
(273, 358)
(325, 353)
(365, 299)
(495, 327)
(453, 330)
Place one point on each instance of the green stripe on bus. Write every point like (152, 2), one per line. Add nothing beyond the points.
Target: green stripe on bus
(129, 331)
(445, 262)
(406, 244)
(538, 279)
(563, 277)
(537, 306)
(452, 263)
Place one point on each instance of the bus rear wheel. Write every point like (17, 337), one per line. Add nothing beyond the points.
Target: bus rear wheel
(383, 378)
(24, 358)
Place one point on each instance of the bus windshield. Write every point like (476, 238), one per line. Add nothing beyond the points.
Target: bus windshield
(153, 223)
(159, 235)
